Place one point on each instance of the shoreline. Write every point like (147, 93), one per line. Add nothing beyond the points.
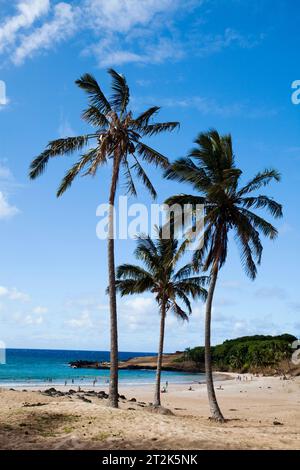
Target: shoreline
(218, 376)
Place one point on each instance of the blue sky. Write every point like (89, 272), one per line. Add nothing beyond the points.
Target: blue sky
(227, 64)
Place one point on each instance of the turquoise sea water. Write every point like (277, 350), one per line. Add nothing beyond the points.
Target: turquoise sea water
(36, 367)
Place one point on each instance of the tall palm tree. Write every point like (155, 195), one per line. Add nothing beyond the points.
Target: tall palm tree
(117, 136)
(210, 169)
(161, 277)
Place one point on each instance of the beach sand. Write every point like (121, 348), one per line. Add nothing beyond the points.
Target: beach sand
(262, 414)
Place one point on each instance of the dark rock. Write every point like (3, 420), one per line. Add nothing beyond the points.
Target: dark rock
(83, 398)
(27, 405)
(52, 392)
(132, 399)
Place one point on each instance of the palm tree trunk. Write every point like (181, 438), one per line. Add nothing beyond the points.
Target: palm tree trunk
(160, 355)
(214, 407)
(113, 383)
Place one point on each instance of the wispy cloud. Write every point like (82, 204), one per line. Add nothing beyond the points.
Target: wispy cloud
(108, 54)
(27, 12)
(12, 293)
(61, 27)
(210, 106)
(83, 321)
(123, 15)
(212, 44)
(119, 31)
(40, 310)
(7, 182)
(7, 210)
(65, 129)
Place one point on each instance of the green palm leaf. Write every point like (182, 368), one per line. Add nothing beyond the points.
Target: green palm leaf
(120, 97)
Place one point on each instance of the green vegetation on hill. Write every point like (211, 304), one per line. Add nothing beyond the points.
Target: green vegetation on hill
(246, 353)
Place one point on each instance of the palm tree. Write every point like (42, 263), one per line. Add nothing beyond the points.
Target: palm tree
(160, 277)
(210, 169)
(117, 136)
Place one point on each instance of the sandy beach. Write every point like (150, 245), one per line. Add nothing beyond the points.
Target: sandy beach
(262, 413)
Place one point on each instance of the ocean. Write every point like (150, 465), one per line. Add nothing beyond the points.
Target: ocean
(40, 367)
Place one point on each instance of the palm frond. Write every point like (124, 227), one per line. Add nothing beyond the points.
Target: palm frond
(261, 224)
(144, 178)
(93, 116)
(99, 159)
(263, 202)
(97, 98)
(120, 97)
(157, 128)
(184, 271)
(261, 179)
(193, 286)
(57, 148)
(131, 287)
(143, 119)
(129, 180)
(179, 312)
(246, 256)
(75, 170)
(131, 271)
(184, 298)
(184, 170)
(151, 156)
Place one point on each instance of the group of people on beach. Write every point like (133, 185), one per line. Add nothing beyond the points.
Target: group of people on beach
(240, 378)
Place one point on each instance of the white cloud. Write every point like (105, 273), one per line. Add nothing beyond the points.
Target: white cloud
(5, 173)
(65, 129)
(139, 304)
(211, 44)
(61, 27)
(6, 209)
(28, 11)
(39, 310)
(120, 31)
(211, 107)
(7, 182)
(109, 51)
(3, 96)
(30, 320)
(83, 321)
(13, 294)
(123, 15)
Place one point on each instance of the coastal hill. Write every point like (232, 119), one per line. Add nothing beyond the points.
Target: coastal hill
(171, 362)
(259, 353)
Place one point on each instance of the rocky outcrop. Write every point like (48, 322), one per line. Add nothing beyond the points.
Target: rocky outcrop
(171, 362)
